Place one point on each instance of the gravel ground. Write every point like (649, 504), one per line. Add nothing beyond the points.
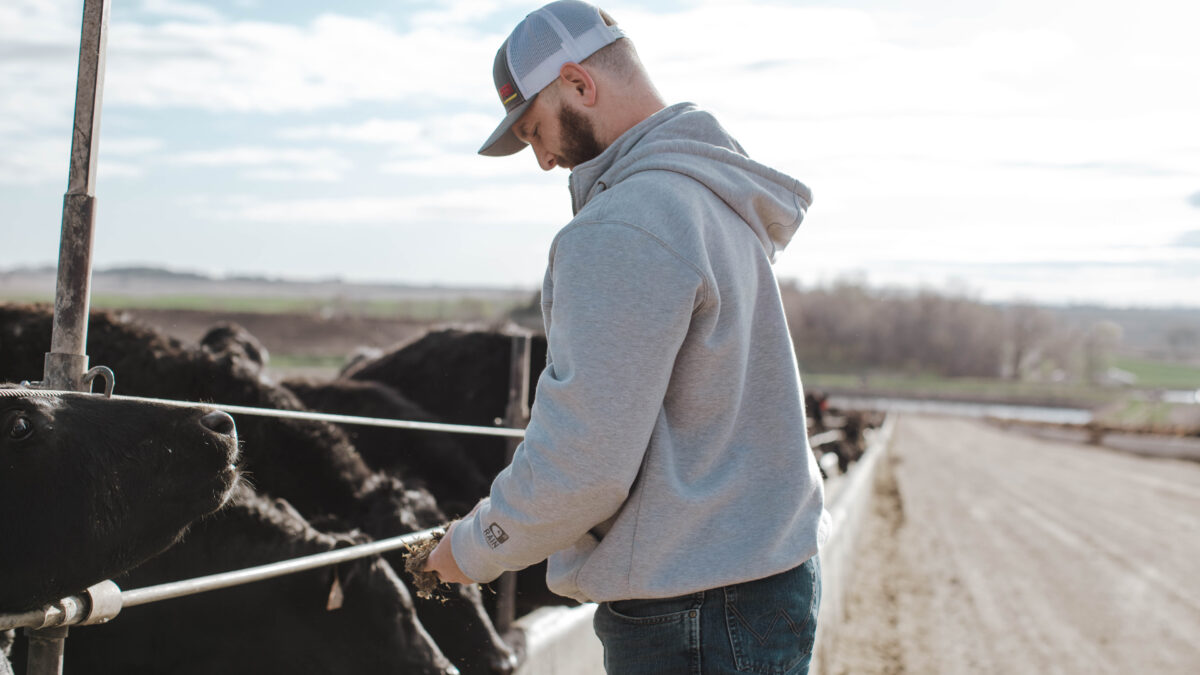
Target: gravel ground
(996, 552)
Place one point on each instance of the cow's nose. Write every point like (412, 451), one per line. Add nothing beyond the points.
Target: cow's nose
(219, 422)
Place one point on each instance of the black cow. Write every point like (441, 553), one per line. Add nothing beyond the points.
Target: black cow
(230, 341)
(311, 464)
(436, 461)
(354, 618)
(90, 486)
(815, 404)
(462, 376)
(459, 375)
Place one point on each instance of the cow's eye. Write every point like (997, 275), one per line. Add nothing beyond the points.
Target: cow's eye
(21, 429)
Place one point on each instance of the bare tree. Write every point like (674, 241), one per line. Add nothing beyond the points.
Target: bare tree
(1101, 342)
(1028, 329)
(1184, 342)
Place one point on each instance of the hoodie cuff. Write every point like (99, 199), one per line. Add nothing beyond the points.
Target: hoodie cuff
(470, 548)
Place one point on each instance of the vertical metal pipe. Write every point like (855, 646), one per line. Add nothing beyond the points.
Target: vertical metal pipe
(515, 416)
(46, 650)
(67, 359)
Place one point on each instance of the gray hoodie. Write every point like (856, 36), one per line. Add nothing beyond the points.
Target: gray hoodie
(666, 452)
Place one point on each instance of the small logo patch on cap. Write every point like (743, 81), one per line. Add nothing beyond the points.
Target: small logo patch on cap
(506, 93)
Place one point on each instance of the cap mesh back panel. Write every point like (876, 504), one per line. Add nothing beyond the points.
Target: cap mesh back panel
(576, 18)
(536, 43)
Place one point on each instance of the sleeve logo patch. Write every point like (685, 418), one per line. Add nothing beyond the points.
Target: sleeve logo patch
(495, 535)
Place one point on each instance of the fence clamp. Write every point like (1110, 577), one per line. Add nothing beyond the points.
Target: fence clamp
(105, 603)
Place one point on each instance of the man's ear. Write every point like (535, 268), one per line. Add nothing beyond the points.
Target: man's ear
(578, 82)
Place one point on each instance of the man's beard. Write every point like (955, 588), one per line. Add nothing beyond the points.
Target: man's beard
(579, 142)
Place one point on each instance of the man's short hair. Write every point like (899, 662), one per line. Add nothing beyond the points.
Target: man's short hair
(619, 58)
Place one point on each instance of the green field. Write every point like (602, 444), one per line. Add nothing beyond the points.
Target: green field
(295, 361)
(968, 388)
(1140, 414)
(1161, 375)
(416, 309)
(1153, 375)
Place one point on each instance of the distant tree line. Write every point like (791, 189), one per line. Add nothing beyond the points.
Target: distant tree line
(849, 327)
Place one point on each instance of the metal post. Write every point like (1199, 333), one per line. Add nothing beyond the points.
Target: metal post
(67, 359)
(46, 650)
(515, 416)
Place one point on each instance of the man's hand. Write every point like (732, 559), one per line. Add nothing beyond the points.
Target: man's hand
(442, 563)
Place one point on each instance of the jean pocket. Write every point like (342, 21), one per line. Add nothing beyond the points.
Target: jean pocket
(649, 637)
(772, 622)
(660, 610)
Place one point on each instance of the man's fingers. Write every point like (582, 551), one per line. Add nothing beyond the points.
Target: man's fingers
(431, 563)
(441, 562)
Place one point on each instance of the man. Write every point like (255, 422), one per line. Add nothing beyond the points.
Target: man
(665, 470)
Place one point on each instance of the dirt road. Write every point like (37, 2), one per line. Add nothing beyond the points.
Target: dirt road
(995, 552)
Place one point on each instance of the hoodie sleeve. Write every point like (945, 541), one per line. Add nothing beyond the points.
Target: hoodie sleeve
(622, 303)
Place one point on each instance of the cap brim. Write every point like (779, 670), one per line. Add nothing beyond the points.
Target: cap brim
(503, 141)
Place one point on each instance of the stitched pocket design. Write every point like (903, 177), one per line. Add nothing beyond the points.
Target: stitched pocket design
(772, 622)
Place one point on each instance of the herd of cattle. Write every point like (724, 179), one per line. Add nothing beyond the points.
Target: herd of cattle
(143, 493)
(306, 487)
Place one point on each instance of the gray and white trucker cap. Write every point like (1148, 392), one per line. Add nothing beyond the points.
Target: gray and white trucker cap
(567, 31)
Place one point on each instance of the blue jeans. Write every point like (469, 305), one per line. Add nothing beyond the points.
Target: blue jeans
(765, 626)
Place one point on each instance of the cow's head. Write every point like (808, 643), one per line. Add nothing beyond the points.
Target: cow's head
(91, 486)
(230, 341)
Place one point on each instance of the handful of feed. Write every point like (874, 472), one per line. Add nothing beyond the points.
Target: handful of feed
(426, 583)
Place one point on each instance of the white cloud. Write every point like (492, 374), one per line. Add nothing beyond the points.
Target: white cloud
(38, 61)
(980, 139)
(333, 61)
(276, 164)
(454, 14)
(36, 161)
(441, 145)
(109, 168)
(516, 204)
(459, 168)
(242, 156)
(126, 146)
(1023, 51)
(39, 48)
(800, 62)
(926, 135)
(371, 131)
(44, 22)
(314, 174)
(181, 10)
(436, 130)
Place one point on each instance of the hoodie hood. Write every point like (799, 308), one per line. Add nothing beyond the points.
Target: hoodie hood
(686, 140)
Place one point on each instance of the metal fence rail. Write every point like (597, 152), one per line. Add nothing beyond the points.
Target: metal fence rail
(310, 416)
(85, 608)
(80, 609)
(176, 589)
(102, 602)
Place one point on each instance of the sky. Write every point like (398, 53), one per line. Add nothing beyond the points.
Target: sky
(1010, 150)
